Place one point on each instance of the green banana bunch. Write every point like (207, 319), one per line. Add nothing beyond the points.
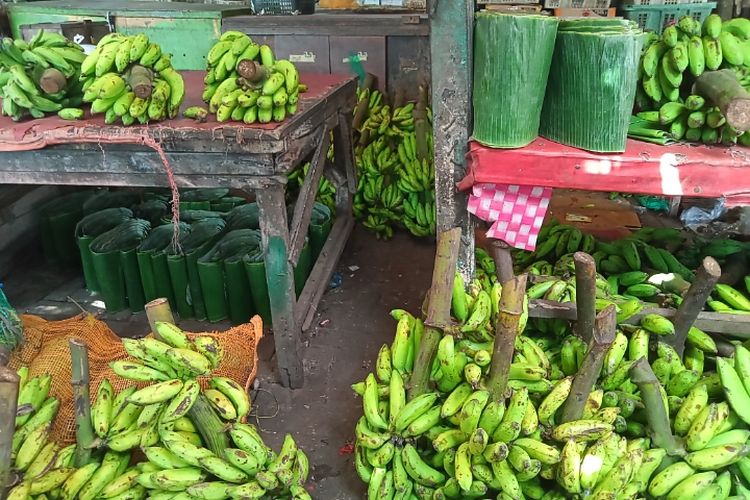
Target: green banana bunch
(245, 82)
(39, 76)
(129, 78)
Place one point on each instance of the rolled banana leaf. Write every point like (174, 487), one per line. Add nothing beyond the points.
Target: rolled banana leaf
(512, 56)
(152, 210)
(227, 203)
(152, 262)
(226, 289)
(89, 228)
(321, 223)
(183, 269)
(244, 217)
(116, 266)
(57, 222)
(591, 86)
(191, 216)
(207, 194)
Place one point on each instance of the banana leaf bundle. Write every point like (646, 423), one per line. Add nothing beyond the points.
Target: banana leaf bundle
(646, 131)
(592, 82)
(57, 221)
(191, 216)
(110, 199)
(160, 238)
(226, 289)
(512, 55)
(152, 210)
(244, 217)
(201, 232)
(116, 265)
(99, 222)
(207, 194)
(125, 236)
(153, 264)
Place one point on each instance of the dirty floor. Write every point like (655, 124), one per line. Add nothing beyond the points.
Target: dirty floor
(351, 325)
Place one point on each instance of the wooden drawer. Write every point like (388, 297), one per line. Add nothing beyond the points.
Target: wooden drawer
(309, 53)
(408, 64)
(370, 49)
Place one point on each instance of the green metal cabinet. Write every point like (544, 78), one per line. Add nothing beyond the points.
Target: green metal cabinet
(187, 30)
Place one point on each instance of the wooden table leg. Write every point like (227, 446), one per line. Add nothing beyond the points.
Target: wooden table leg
(8, 400)
(344, 177)
(503, 261)
(280, 280)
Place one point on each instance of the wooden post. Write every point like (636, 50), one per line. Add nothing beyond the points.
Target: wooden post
(583, 383)
(451, 28)
(438, 311)
(585, 295)
(657, 415)
(8, 401)
(692, 304)
(506, 331)
(158, 310)
(79, 357)
(280, 278)
(503, 260)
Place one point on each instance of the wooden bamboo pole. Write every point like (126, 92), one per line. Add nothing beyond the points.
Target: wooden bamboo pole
(158, 310)
(506, 330)
(657, 415)
(438, 314)
(591, 367)
(503, 260)
(8, 402)
(585, 295)
(85, 436)
(706, 277)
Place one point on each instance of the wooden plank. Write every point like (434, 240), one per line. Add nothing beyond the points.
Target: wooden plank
(328, 23)
(736, 325)
(451, 56)
(138, 180)
(116, 8)
(113, 159)
(306, 199)
(280, 278)
(320, 276)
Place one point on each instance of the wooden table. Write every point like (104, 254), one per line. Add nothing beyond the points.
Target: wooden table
(253, 158)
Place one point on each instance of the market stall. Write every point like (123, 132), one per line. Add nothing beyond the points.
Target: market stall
(251, 158)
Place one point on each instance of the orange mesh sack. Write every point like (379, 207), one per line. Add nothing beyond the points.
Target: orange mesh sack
(45, 350)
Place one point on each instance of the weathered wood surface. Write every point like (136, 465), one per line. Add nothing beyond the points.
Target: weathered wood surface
(737, 325)
(451, 53)
(318, 107)
(332, 23)
(8, 399)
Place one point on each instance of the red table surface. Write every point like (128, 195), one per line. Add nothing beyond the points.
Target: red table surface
(644, 168)
(32, 134)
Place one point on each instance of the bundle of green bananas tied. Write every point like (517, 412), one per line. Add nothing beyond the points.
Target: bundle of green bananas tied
(396, 185)
(40, 76)
(129, 78)
(669, 66)
(632, 271)
(457, 442)
(245, 82)
(168, 424)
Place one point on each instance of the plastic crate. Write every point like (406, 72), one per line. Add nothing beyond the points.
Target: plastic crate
(657, 17)
(284, 6)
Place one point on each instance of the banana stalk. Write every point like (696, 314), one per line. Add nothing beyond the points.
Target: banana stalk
(585, 295)
(506, 330)
(590, 369)
(8, 398)
(439, 307)
(723, 89)
(85, 436)
(657, 415)
(694, 301)
(209, 425)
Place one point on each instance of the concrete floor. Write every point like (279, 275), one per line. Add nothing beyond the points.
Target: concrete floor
(351, 324)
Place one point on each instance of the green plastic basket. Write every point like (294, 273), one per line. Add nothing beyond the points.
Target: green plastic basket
(657, 17)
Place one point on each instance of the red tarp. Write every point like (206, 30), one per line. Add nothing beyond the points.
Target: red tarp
(36, 134)
(644, 168)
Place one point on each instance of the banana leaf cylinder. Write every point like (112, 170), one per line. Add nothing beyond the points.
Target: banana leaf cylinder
(179, 281)
(89, 228)
(57, 222)
(512, 55)
(321, 223)
(592, 86)
(132, 276)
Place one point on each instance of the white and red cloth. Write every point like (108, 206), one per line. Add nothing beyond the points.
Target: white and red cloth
(515, 212)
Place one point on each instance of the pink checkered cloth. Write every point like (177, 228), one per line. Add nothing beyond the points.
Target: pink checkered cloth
(516, 212)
